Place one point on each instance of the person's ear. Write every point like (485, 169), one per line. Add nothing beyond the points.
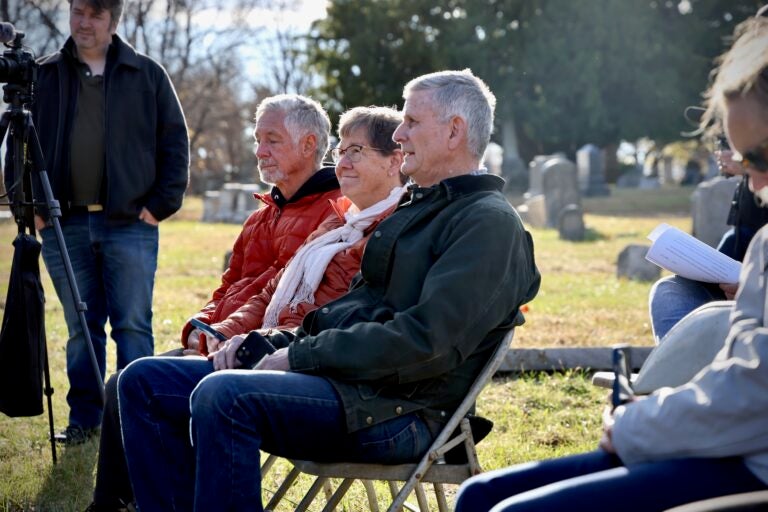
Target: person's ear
(395, 162)
(458, 132)
(308, 145)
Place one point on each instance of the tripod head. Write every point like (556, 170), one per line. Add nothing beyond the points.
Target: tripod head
(19, 69)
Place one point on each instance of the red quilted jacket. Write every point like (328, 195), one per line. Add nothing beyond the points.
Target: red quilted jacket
(335, 282)
(269, 238)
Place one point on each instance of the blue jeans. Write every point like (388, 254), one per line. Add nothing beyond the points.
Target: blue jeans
(114, 267)
(192, 436)
(673, 297)
(598, 481)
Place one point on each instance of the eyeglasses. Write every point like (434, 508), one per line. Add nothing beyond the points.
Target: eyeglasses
(755, 158)
(354, 152)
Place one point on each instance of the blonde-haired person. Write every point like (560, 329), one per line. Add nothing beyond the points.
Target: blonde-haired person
(706, 438)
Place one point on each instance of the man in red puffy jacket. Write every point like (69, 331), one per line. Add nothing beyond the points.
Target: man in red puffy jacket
(291, 140)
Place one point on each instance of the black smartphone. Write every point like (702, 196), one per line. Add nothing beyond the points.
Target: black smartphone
(622, 368)
(197, 324)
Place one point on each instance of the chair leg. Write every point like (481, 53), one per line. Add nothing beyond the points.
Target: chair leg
(280, 492)
(268, 464)
(421, 498)
(471, 449)
(341, 490)
(308, 498)
(442, 503)
(370, 491)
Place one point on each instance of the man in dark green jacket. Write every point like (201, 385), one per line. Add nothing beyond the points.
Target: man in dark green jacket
(366, 377)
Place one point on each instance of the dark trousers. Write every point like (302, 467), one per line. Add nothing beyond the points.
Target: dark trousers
(113, 486)
(599, 481)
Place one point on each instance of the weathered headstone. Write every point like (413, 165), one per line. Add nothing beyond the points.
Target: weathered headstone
(666, 170)
(710, 203)
(570, 225)
(211, 205)
(630, 178)
(591, 171)
(534, 211)
(534, 175)
(233, 203)
(560, 187)
(633, 265)
(493, 158)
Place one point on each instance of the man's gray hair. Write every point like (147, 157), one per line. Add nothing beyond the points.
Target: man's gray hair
(460, 93)
(303, 116)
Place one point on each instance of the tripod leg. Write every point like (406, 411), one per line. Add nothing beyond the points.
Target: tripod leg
(54, 211)
(49, 393)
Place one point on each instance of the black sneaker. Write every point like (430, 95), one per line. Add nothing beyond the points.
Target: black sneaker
(75, 435)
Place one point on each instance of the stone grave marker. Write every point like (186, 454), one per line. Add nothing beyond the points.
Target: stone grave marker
(591, 171)
(633, 265)
(560, 187)
(710, 203)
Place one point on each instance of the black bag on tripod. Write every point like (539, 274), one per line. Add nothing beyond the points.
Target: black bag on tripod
(22, 338)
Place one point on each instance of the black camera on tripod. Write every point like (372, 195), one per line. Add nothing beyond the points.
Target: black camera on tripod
(17, 66)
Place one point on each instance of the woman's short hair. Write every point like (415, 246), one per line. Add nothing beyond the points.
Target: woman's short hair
(460, 93)
(378, 123)
(303, 116)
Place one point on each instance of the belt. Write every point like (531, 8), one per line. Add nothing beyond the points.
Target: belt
(90, 208)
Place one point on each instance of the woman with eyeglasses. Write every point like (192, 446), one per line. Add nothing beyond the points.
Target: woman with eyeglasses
(708, 437)
(368, 169)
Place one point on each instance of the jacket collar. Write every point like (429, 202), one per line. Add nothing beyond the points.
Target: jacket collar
(323, 180)
(457, 186)
(119, 52)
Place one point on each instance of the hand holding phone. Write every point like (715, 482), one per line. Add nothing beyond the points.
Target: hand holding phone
(207, 329)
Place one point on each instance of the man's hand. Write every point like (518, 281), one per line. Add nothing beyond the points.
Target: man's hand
(225, 358)
(40, 224)
(729, 290)
(193, 340)
(278, 361)
(212, 343)
(606, 441)
(147, 217)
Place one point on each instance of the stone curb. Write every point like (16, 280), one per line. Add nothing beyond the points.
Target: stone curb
(557, 359)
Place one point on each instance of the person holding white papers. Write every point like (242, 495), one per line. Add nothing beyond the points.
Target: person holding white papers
(708, 437)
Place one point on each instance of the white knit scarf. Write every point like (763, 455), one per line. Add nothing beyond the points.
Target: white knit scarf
(304, 272)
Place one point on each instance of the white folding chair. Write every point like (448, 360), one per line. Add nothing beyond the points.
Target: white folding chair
(430, 469)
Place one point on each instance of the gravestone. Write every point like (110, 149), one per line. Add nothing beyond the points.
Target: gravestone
(534, 175)
(591, 171)
(570, 225)
(560, 187)
(493, 158)
(710, 203)
(234, 203)
(211, 205)
(535, 168)
(666, 170)
(633, 265)
(534, 211)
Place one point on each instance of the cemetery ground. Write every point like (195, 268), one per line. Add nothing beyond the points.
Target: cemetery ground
(536, 415)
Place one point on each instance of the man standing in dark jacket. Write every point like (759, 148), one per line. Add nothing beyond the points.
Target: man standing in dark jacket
(371, 375)
(116, 148)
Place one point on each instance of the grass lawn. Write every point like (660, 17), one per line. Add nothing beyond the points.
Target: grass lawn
(581, 303)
